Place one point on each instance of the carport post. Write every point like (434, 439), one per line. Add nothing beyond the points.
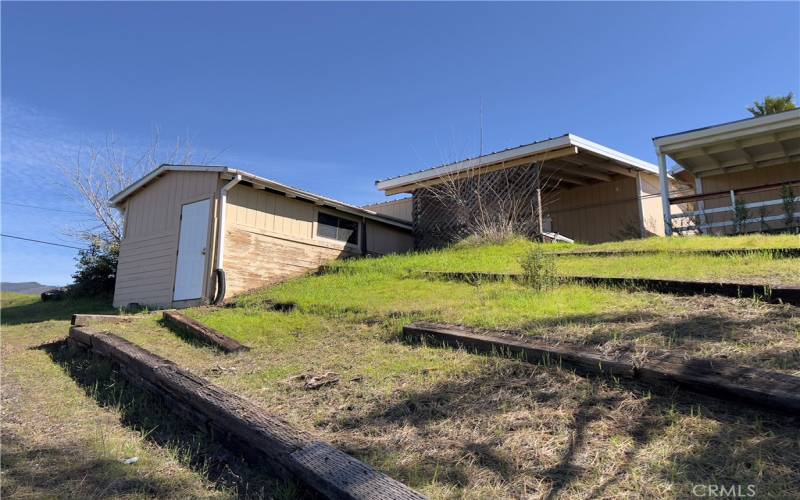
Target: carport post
(664, 180)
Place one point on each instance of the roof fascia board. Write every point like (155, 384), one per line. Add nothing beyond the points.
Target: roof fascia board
(612, 154)
(481, 161)
(727, 132)
(521, 152)
(119, 197)
(256, 180)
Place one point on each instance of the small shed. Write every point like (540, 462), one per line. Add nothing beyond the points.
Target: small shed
(198, 234)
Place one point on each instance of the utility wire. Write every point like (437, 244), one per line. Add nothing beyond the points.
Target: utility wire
(44, 208)
(40, 241)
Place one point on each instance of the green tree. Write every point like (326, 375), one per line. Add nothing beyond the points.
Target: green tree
(772, 105)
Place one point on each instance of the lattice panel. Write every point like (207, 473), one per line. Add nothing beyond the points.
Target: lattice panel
(446, 215)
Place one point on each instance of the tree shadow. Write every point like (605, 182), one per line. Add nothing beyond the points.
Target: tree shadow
(480, 403)
(40, 471)
(147, 414)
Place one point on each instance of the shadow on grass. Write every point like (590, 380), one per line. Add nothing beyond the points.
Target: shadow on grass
(188, 337)
(147, 414)
(471, 430)
(40, 472)
(23, 310)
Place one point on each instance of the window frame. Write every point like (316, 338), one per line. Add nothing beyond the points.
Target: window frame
(334, 213)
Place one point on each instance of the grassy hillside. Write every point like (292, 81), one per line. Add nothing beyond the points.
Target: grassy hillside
(666, 264)
(449, 423)
(454, 424)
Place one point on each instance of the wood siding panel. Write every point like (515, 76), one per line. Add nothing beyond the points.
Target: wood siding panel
(399, 209)
(605, 211)
(148, 253)
(383, 240)
(254, 260)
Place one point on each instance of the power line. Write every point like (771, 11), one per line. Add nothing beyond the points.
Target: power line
(40, 241)
(44, 208)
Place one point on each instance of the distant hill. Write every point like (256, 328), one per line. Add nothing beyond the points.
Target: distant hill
(29, 287)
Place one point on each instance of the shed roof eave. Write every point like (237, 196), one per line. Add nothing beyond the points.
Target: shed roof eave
(728, 131)
(541, 147)
(116, 200)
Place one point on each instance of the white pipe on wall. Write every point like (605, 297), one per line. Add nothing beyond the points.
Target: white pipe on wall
(223, 204)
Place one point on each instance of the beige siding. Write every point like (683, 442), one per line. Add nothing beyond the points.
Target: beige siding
(272, 238)
(652, 211)
(148, 253)
(399, 209)
(382, 239)
(600, 212)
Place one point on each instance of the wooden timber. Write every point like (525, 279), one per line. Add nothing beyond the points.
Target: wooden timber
(290, 453)
(772, 294)
(719, 378)
(194, 328)
(87, 319)
(773, 252)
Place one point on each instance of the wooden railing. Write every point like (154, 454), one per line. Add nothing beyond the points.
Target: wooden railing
(757, 209)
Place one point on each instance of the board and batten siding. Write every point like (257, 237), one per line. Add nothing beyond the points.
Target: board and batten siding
(600, 212)
(270, 238)
(402, 209)
(148, 252)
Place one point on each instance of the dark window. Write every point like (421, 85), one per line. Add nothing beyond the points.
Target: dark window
(336, 228)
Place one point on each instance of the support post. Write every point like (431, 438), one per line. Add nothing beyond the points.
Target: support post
(664, 181)
(701, 205)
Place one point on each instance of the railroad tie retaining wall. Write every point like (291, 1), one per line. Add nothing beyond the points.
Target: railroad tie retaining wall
(291, 453)
(778, 253)
(199, 331)
(719, 378)
(784, 294)
(87, 319)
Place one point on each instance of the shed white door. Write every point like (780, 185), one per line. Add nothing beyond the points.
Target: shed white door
(192, 251)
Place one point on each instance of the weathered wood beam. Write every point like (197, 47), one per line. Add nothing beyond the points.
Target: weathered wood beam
(88, 319)
(485, 169)
(184, 324)
(583, 170)
(602, 164)
(716, 377)
(290, 453)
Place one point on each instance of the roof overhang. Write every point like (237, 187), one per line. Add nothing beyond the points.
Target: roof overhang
(256, 182)
(732, 147)
(569, 160)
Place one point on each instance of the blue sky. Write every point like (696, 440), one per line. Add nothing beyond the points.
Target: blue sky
(330, 97)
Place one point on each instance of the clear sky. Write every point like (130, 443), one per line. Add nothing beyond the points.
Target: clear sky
(330, 97)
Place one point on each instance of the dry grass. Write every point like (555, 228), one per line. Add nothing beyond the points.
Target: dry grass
(449, 423)
(67, 424)
(453, 424)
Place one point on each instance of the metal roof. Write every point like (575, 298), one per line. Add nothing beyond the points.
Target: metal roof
(539, 147)
(762, 141)
(257, 181)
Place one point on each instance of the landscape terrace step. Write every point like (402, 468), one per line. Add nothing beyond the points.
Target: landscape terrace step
(193, 328)
(718, 378)
(767, 293)
(720, 252)
(291, 453)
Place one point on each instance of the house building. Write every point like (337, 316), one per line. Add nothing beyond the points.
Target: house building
(587, 192)
(745, 175)
(195, 234)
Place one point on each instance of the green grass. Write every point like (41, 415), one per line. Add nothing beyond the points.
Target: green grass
(693, 243)
(68, 422)
(504, 258)
(447, 422)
